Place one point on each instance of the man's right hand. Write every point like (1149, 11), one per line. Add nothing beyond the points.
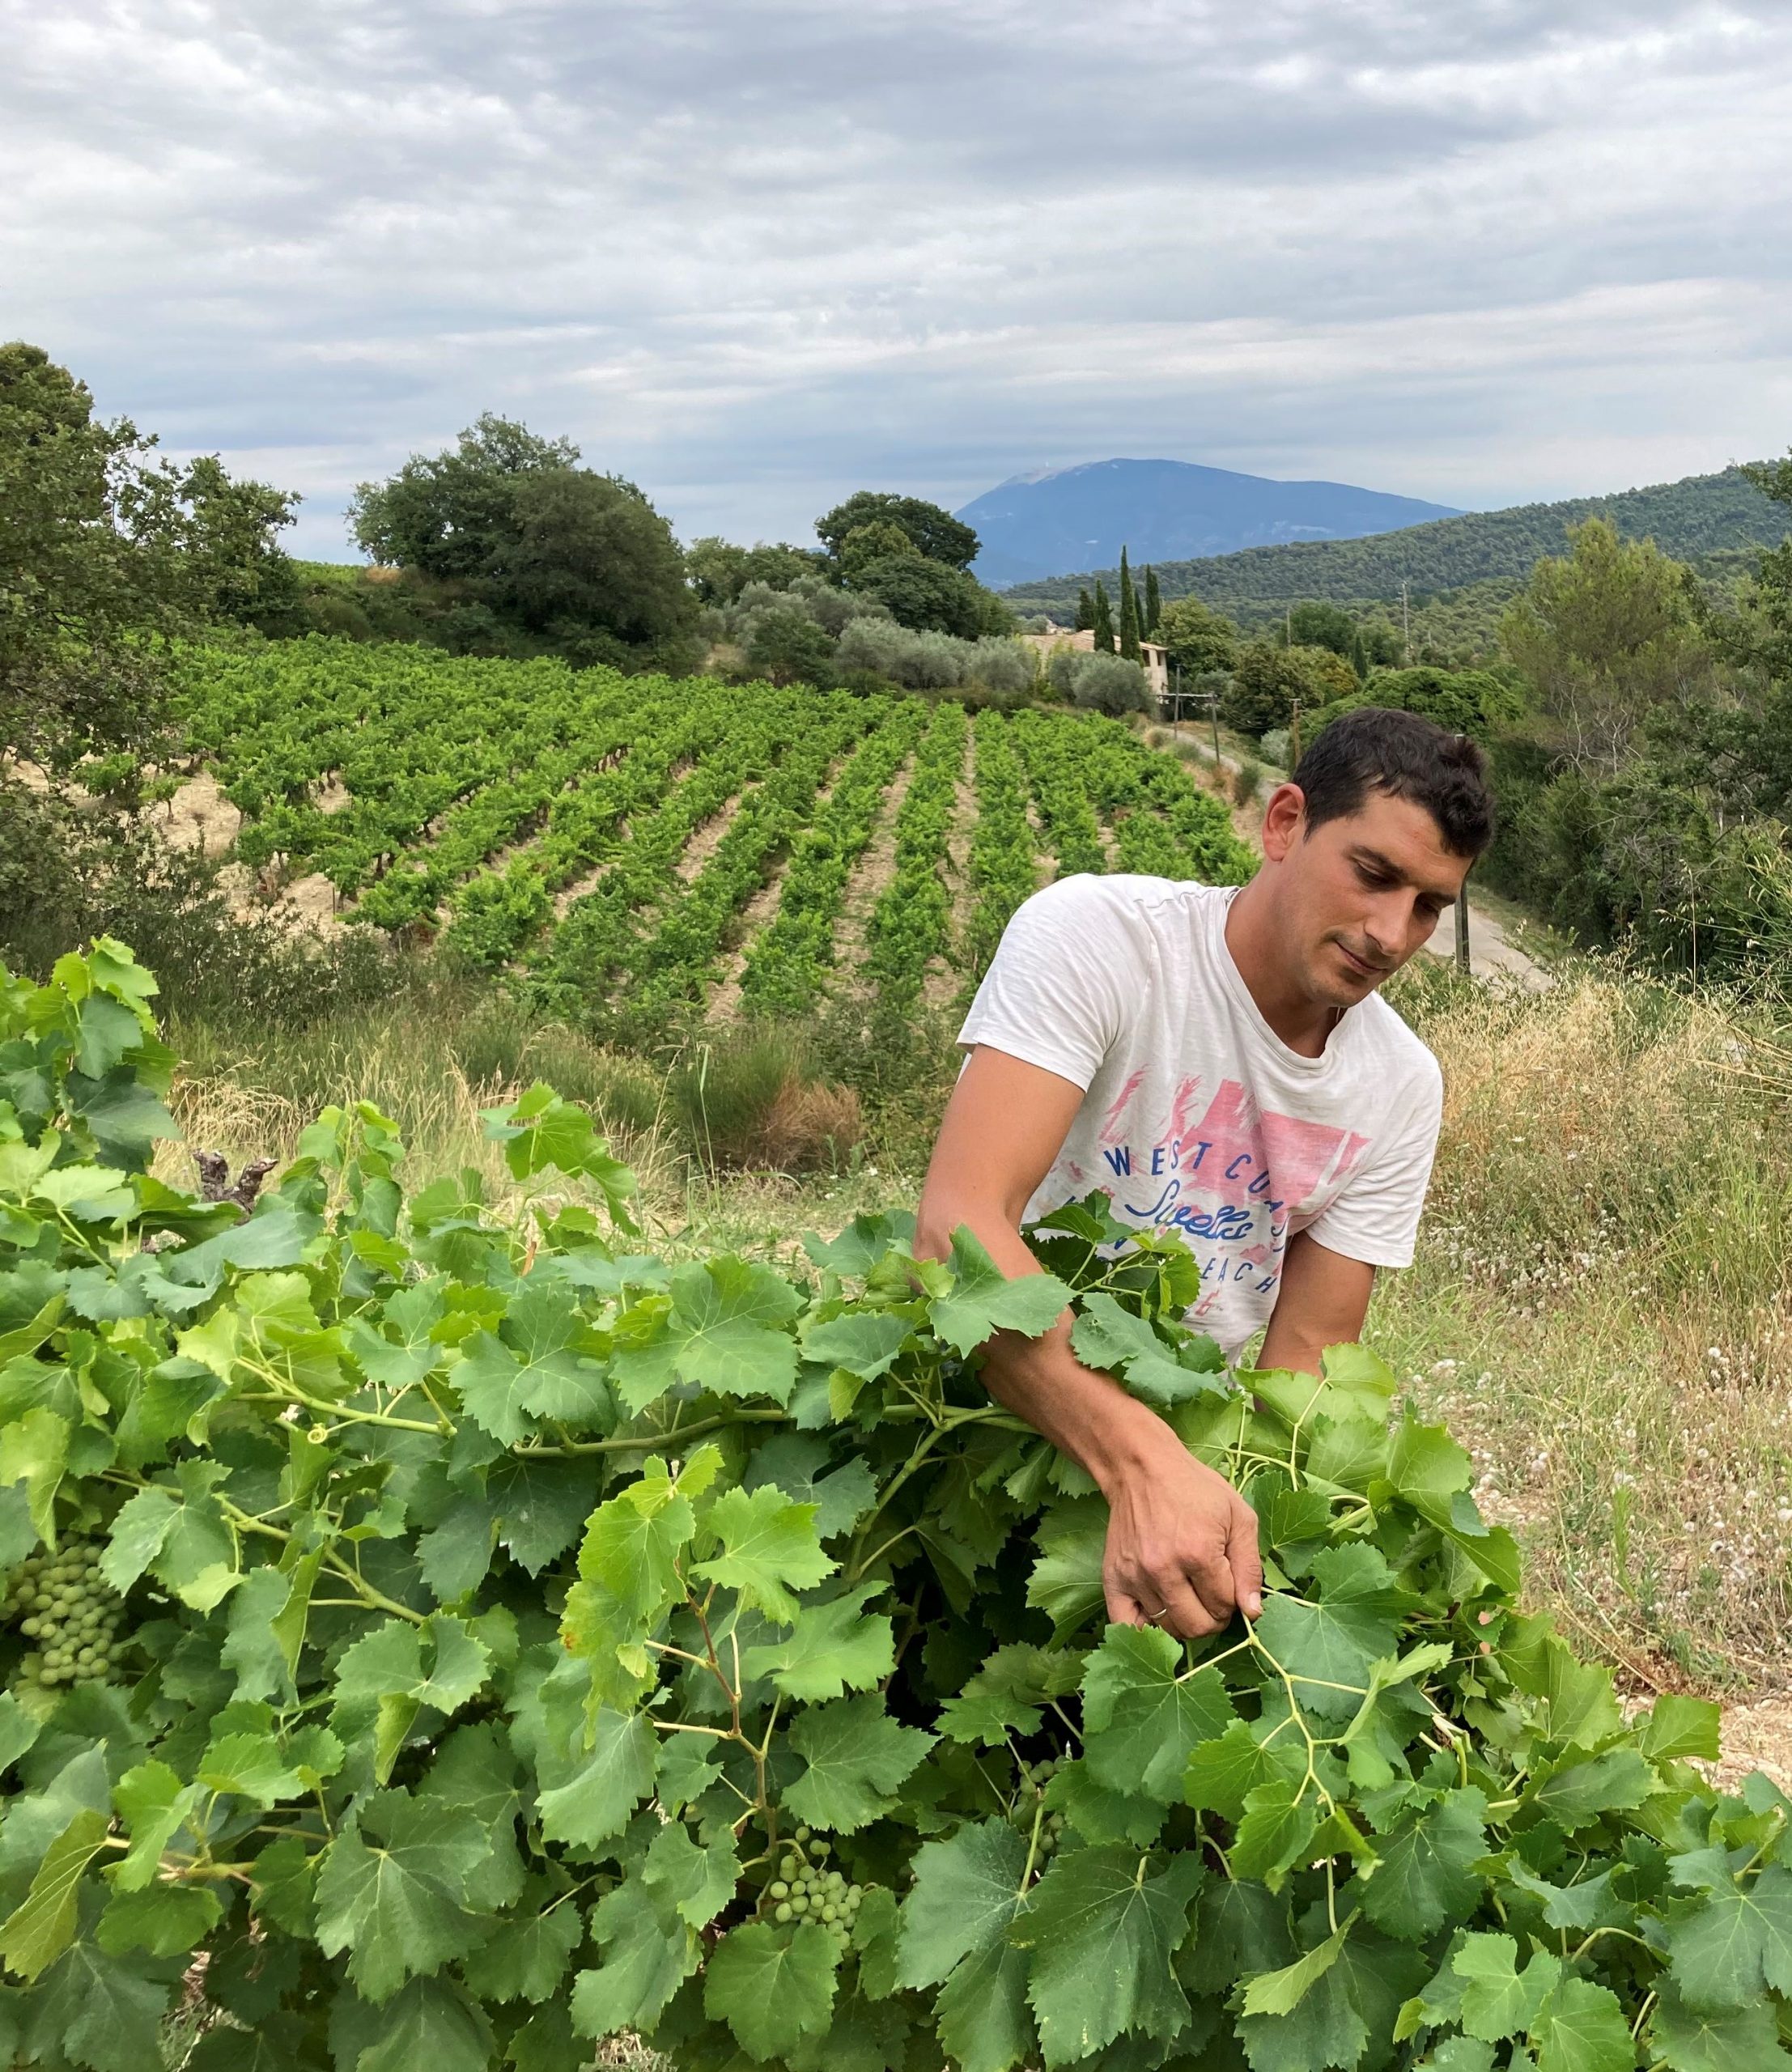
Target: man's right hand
(1181, 1543)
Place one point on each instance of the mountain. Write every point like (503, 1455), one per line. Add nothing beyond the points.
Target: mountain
(1041, 524)
(1695, 519)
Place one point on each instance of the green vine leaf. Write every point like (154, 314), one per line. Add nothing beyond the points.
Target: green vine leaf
(772, 1990)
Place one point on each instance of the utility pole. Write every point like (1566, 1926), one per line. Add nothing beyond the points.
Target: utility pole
(1406, 626)
(1463, 963)
(1213, 714)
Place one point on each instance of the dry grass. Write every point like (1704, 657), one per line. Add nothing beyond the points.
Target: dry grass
(1602, 1309)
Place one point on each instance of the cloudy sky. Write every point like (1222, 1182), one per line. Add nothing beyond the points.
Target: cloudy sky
(755, 254)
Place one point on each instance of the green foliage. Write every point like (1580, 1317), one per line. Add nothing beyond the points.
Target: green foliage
(1199, 639)
(1471, 702)
(932, 596)
(1269, 681)
(106, 552)
(532, 553)
(881, 540)
(1102, 620)
(786, 646)
(1605, 634)
(930, 531)
(1098, 682)
(1128, 634)
(718, 572)
(751, 1695)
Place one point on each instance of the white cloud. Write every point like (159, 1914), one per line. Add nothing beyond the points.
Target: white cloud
(756, 256)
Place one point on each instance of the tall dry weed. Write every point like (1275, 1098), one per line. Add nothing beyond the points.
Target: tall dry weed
(1601, 1307)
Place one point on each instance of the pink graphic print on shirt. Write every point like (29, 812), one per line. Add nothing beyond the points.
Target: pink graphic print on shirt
(1236, 1181)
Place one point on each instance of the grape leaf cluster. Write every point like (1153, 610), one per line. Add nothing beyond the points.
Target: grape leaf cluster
(534, 1640)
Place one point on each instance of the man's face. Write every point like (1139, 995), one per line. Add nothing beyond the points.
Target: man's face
(1357, 896)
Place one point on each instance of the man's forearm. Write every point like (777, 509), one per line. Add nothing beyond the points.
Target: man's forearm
(1181, 1543)
(1085, 1414)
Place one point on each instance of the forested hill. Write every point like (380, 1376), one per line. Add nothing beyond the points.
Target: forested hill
(1700, 515)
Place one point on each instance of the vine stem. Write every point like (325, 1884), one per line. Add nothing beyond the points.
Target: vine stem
(647, 1440)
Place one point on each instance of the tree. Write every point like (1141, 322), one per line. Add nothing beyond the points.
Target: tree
(718, 572)
(1086, 612)
(1153, 603)
(881, 540)
(1199, 639)
(1471, 702)
(930, 596)
(591, 557)
(786, 645)
(1268, 681)
(533, 551)
(1129, 612)
(106, 552)
(1098, 683)
(1317, 624)
(1605, 635)
(1763, 634)
(1104, 620)
(933, 531)
(452, 514)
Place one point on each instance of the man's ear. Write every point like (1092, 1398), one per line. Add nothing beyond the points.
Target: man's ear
(1284, 820)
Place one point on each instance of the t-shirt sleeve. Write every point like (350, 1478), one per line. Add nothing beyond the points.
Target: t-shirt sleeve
(1375, 1218)
(1052, 996)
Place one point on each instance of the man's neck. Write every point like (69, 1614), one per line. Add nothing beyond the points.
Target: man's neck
(1254, 940)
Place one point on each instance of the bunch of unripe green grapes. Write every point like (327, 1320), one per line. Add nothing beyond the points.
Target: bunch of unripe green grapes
(60, 1603)
(805, 1889)
(1034, 1777)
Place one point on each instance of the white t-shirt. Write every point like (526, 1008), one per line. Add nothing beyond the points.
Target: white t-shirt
(1196, 1116)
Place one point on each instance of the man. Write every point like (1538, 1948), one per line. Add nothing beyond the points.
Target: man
(1220, 1063)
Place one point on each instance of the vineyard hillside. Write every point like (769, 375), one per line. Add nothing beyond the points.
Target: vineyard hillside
(645, 851)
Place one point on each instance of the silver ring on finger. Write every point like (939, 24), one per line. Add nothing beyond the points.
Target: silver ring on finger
(1152, 1617)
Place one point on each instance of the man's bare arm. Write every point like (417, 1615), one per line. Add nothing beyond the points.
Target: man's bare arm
(1322, 1301)
(1181, 1543)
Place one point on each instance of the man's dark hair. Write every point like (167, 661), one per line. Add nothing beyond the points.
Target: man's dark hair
(1404, 756)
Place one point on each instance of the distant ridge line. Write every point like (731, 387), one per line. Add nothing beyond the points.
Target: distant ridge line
(1693, 517)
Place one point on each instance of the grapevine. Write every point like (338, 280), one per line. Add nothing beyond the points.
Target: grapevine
(510, 1612)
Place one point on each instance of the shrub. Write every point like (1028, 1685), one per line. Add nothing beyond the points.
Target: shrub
(1098, 683)
(750, 1096)
(785, 644)
(1245, 780)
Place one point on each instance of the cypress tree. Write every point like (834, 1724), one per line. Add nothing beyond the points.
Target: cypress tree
(1085, 611)
(1129, 612)
(1154, 604)
(1102, 617)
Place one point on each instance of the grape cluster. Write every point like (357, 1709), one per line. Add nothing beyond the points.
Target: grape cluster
(1034, 1777)
(60, 1602)
(805, 1889)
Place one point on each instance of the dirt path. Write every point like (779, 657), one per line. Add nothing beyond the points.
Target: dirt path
(1491, 952)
